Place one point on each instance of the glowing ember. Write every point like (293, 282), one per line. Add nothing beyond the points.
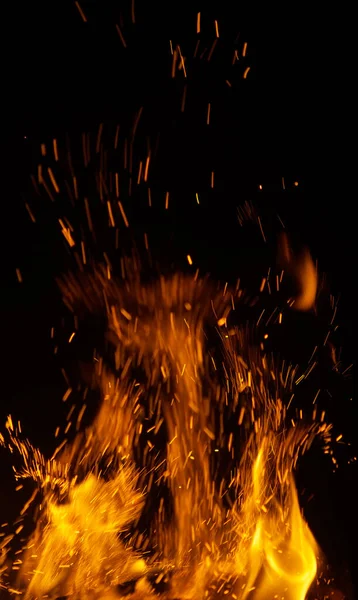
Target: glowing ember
(171, 419)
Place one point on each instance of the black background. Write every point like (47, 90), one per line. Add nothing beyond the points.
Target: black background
(289, 118)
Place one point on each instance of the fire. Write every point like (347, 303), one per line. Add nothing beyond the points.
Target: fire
(206, 438)
(303, 272)
(283, 550)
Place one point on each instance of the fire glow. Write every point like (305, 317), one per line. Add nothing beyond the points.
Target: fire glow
(171, 419)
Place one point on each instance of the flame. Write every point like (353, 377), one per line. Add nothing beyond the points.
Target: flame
(283, 550)
(162, 432)
(303, 272)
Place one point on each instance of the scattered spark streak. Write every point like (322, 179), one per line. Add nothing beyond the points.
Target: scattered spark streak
(71, 337)
(246, 72)
(67, 234)
(212, 179)
(137, 119)
(126, 314)
(216, 29)
(83, 16)
(133, 11)
(110, 214)
(58, 449)
(198, 23)
(67, 394)
(146, 168)
(116, 137)
(83, 250)
(208, 114)
(166, 200)
(55, 151)
(174, 62)
(196, 48)
(18, 275)
(121, 36)
(99, 135)
(89, 219)
(182, 108)
(182, 63)
(48, 191)
(84, 149)
(244, 49)
(213, 46)
(75, 187)
(80, 416)
(197, 198)
(124, 217)
(261, 229)
(190, 260)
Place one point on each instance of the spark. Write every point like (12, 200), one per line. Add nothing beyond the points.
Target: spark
(182, 63)
(133, 11)
(110, 214)
(146, 168)
(55, 150)
(261, 229)
(213, 46)
(182, 108)
(116, 137)
(83, 16)
(124, 217)
(174, 62)
(121, 36)
(208, 114)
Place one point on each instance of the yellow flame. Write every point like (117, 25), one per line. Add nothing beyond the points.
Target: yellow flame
(282, 552)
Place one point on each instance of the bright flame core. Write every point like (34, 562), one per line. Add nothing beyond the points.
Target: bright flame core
(171, 418)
